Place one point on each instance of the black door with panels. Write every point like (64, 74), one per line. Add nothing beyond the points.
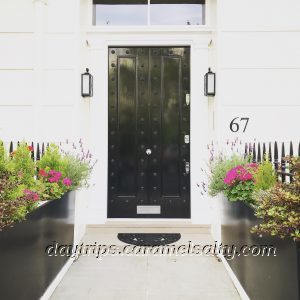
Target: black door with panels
(149, 132)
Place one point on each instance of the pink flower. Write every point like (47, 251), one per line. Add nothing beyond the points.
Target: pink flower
(67, 181)
(55, 176)
(238, 173)
(54, 173)
(53, 179)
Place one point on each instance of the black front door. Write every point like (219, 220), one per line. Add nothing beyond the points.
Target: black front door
(148, 132)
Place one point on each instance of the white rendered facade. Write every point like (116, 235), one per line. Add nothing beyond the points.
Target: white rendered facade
(253, 46)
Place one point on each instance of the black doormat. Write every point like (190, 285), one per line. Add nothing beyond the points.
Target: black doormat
(149, 239)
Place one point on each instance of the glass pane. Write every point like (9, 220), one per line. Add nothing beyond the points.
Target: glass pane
(120, 12)
(177, 12)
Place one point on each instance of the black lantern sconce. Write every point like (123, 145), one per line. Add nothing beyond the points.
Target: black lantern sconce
(86, 84)
(210, 83)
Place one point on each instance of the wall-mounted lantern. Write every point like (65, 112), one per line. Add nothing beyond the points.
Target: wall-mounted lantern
(210, 83)
(86, 84)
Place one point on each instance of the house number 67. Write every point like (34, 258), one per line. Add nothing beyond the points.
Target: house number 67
(235, 124)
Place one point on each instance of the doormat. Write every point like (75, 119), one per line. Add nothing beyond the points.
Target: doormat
(149, 239)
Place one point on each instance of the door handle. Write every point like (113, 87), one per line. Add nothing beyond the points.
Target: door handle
(148, 151)
(187, 167)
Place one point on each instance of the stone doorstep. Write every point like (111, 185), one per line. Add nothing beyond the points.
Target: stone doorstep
(150, 227)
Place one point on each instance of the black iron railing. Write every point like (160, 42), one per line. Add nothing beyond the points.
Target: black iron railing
(258, 153)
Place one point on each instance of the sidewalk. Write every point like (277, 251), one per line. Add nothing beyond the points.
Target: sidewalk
(151, 277)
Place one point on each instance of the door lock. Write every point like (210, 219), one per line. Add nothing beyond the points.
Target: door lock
(148, 151)
(187, 167)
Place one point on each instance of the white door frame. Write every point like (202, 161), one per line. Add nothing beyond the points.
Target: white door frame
(96, 56)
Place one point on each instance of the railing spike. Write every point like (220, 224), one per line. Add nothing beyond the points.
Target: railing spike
(270, 152)
(32, 151)
(38, 154)
(276, 156)
(283, 163)
(258, 154)
(291, 149)
(246, 150)
(11, 148)
(291, 155)
(264, 152)
(254, 153)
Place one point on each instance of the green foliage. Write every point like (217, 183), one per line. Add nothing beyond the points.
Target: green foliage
(22, 166)
(241, 191)
(264, 177)
(52, 159)
(12, 209)
(77, 170)
(219, 168)
(3, 158)
(279, 207)
(52, 191)
(21, 188)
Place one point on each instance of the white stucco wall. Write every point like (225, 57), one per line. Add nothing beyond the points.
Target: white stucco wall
(46, 45)
(39, 61)
(258, 45)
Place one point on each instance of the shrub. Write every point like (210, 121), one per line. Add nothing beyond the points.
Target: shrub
(21, 165)
(21, 187)
(14, 209)
(279, 207)
(77, 170)
(3, 158)
(264, 177)
(52, 159)
(218, 169)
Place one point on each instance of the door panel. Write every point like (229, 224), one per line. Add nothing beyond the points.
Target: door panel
(126, 130)
(148, 121)
(171, 126)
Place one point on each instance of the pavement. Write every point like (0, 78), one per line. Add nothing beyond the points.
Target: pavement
(149, 277)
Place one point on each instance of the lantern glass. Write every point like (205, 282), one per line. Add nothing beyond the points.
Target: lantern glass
(86, 84)
(210, 83)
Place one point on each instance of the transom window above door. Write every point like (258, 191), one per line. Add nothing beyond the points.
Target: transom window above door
(148, 12)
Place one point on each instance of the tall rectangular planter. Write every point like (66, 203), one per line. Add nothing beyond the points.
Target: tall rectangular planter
(26, 270)
(262, 277)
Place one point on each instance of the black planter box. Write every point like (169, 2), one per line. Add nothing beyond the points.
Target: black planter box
(25, 269)
(262, 277)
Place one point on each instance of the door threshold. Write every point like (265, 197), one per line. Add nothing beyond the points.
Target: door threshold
(150, 227)
(150, 223)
